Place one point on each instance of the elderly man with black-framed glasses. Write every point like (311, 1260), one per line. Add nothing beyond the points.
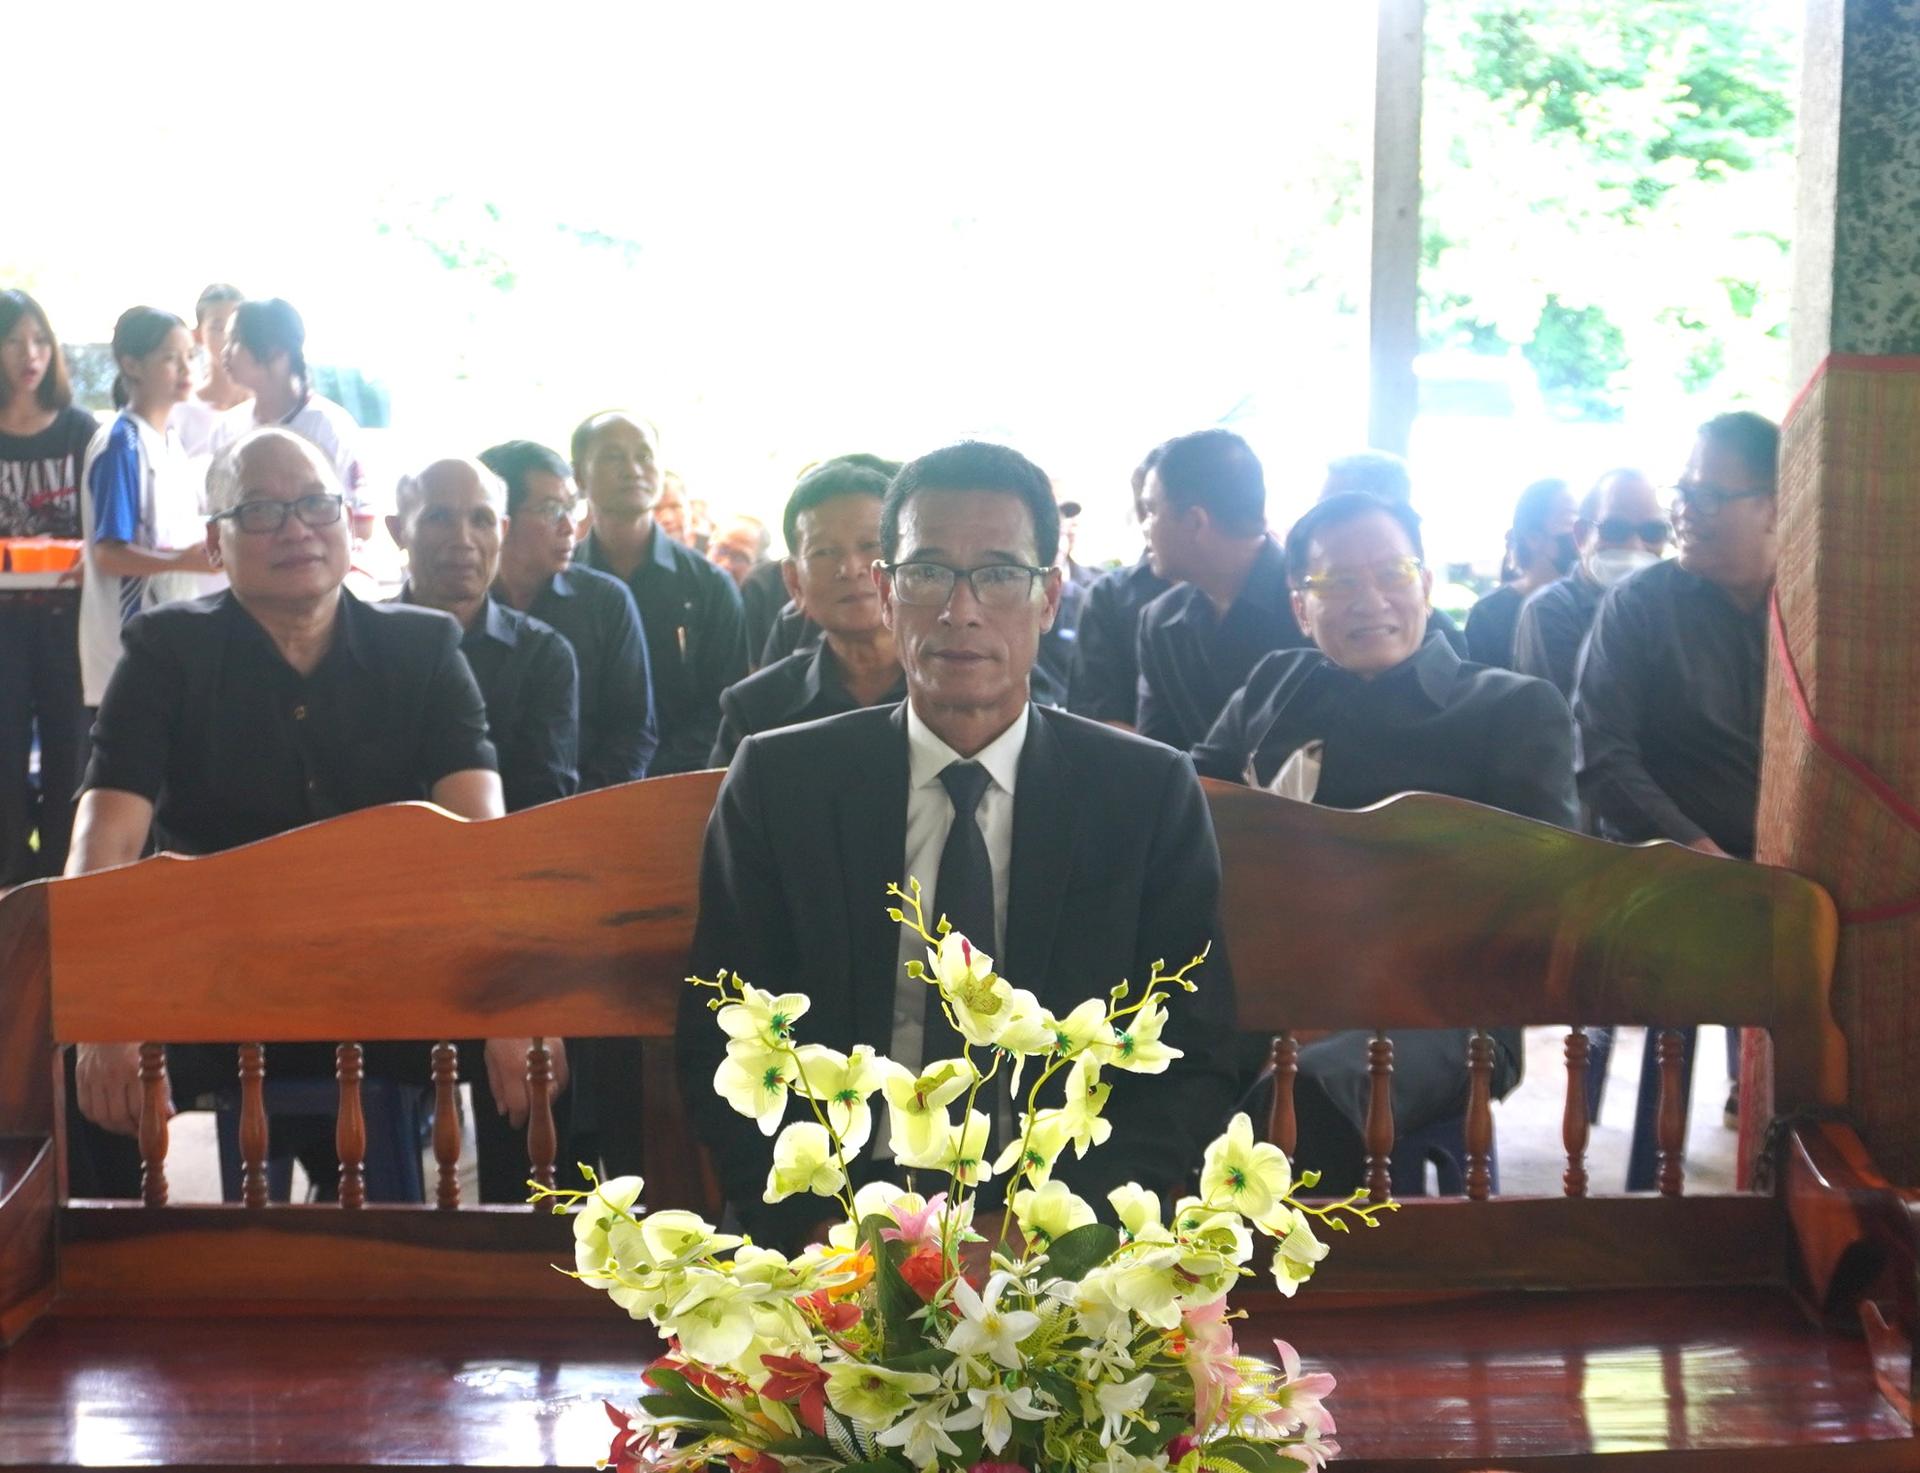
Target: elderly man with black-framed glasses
(278, 702)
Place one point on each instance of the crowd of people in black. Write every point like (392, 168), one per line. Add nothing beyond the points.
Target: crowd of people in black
(926, 683)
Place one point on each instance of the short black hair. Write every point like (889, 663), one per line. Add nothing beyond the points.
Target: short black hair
(272, 326)
(1140, 472)
(1217, 470)
(1535, 506)
(1753, 438)
(1337, 511)
(584, 432)
(514, 460)
(975, 465)
(1378, 473)
(865, 460)
(843, 476)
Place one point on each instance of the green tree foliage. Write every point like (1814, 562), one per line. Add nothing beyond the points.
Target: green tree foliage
(1608, 189)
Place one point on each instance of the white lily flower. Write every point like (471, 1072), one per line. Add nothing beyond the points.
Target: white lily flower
(1120, 1402)
(921, 1435)
(993, 1410)
(803, 1161)
(755, 1082)
(983, 1327)
(1137, 1045)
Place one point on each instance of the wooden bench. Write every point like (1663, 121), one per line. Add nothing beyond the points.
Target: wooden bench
(1544, 1333)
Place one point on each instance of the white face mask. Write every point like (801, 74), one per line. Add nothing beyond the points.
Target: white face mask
(1610, 565)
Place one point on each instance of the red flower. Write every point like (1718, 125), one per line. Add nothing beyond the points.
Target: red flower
(632, 1446)
(801, 1384)
(834, 1318)
(925, 1270)
(998, 1468)
(1181, 1446)
(699, 1377)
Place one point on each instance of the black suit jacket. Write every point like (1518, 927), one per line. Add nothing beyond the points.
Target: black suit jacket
(1114, 866)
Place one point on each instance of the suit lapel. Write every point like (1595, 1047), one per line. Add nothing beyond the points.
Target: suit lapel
(870, 818)
(1043, 817)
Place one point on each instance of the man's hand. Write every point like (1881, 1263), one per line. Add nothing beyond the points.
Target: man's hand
(507, 1075)
(107, 1076)
(1704, 845)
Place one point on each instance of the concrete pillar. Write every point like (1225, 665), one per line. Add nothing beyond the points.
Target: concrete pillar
(1393, 296)
(1836, 780)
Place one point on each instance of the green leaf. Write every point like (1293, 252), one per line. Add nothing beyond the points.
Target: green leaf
(1255, 1457)
(877, 1465)
(931, 1358)
(894, 1299)
(1073, 1255)
(674, 1409)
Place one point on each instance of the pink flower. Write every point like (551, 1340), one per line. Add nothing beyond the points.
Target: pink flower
(915, 1228)
(1181, 1446)
(1209, 1355)
(1300, 1396)
(997, 1468)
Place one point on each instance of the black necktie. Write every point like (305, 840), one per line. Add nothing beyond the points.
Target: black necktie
(963, 890)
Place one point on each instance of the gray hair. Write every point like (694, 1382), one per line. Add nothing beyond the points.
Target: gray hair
(225, 478)
(412, 485)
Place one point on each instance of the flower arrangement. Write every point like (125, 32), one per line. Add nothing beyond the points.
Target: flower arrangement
(904, 1342)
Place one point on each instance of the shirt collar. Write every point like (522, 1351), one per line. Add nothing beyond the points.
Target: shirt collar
(497, 624)
(1266, 586)
(1432, 670)
(350, 637)
(928, 756)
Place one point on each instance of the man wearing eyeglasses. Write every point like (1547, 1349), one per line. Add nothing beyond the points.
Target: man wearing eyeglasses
(593, 612)
(1376, 708)
(1672, 687)
(1622, 529)
(279, 702)
(1072, 853)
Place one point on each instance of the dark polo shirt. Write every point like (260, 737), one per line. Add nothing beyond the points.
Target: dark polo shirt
(595, 614)
(531, 690)
(803, 686)
(1670, 700)
(204, 718)
(1432, 724)
(1552, 627)
(696, 638)
(1106, 665)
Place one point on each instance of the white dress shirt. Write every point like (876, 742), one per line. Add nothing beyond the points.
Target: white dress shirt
(929, 817)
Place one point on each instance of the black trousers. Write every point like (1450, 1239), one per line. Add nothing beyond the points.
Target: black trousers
(39, 696)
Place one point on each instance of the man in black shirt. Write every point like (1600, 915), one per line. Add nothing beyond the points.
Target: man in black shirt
(689, 609)
(1672, 689)
(1205, 503)
(1106, 663)
(592, 611)
(449, 525)
(833, 527)
(1542, 544)
(280, 702)
(1622, 529)
(1375, 709)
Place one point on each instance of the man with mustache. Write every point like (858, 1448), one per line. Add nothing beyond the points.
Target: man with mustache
(1072, 853)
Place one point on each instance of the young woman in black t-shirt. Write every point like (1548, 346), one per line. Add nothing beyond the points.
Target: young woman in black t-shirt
(43, 444)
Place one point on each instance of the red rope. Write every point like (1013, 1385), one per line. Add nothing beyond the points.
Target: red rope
(1868, 778)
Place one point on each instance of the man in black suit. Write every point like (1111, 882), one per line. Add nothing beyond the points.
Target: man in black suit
(1087, 853)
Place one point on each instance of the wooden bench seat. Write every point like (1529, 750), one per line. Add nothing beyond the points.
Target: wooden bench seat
(1766, 1331)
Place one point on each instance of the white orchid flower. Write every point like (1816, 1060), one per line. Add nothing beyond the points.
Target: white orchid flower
(873, 1394)
(842, 1083)
(803, 1161)
(1049, 1212)
(1085, 1028)
(1035, 1149)
(760, 1020)
(713, 1318)
(1296, 1253)
(675, 1238)
(917, 1108)
(611, 1203)
(1137, 1045)
(984, 1328)
(967, 1160)
(1139, 1212)
(1086, 1098)
(993, 1410)
(1252, 1177)
(755, 1081)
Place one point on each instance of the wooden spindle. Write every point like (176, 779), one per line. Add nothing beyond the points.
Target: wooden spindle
(1283, 1129)
(1574, 1125)
(542, 1141)
(1671, 1135)
(253, 1125)
(1479, 1116)
(1380, 1118)
(446, 1124)
(350, 1126)
(156, 1099)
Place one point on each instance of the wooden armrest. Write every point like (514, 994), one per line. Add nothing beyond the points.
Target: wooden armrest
(28, 1187)
(1857, 1244)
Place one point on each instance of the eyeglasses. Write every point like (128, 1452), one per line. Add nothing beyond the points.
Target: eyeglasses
(1619, 529)
(321, 509)
(930, 585)
(548, 513)
(1710, 499)
(1387, 577)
